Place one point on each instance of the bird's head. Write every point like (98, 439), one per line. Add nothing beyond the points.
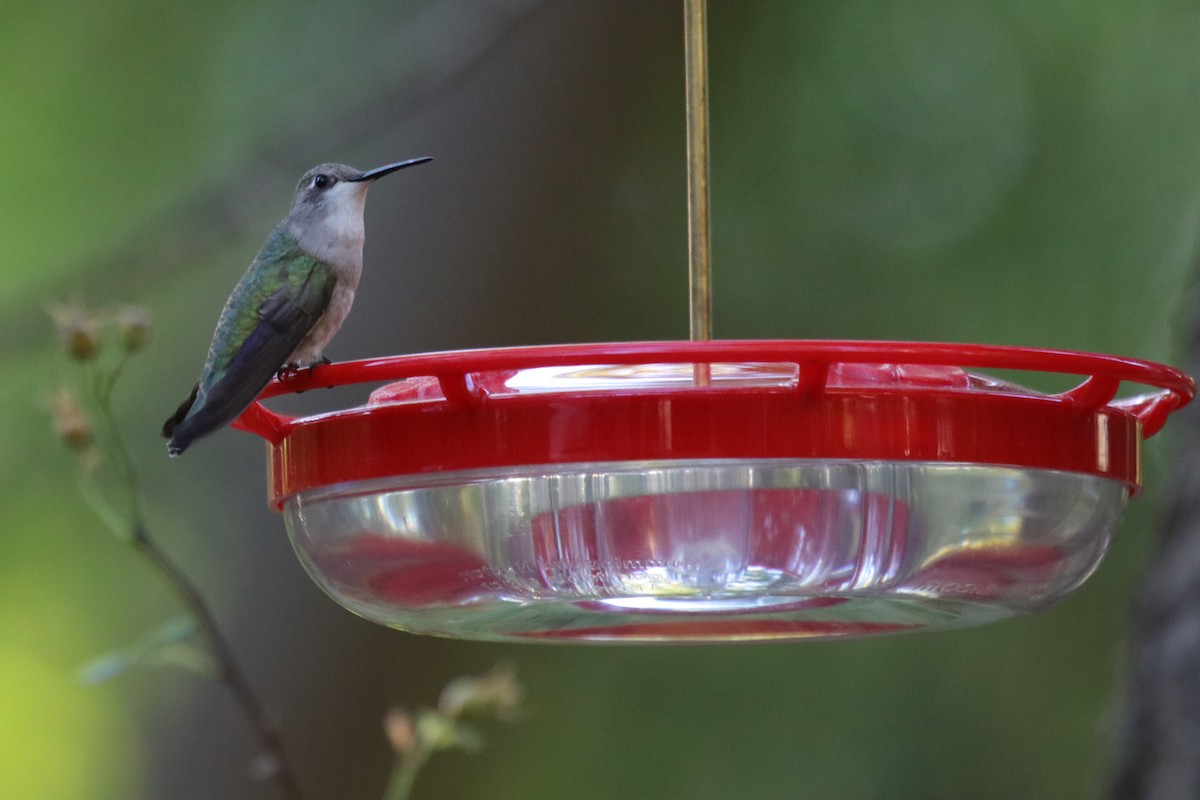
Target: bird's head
(330, 198)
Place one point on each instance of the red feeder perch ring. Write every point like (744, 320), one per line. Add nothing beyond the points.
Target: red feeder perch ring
(710, 491)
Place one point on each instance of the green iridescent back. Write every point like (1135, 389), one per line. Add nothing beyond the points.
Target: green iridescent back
(281, 263)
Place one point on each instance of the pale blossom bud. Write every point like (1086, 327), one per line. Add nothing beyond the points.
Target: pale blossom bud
(133, 327)
(71, 423)
(78, 330)
(401, 732)
(495, 694)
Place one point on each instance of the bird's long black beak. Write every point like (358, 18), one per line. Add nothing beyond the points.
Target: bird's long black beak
(379, 172)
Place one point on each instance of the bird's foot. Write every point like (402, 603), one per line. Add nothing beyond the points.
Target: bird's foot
(287, 372)
(292, 370)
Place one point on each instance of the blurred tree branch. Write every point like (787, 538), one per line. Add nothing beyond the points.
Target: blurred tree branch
(425, 72)
(1158, 736)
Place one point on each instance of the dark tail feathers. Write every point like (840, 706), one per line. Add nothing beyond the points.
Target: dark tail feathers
(168, 428)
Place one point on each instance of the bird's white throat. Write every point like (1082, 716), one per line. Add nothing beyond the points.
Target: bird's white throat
(335, 234)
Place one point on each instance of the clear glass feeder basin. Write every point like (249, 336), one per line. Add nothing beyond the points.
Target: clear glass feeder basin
(726, 491)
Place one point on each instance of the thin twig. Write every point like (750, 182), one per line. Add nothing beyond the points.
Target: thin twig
(230, 674)
(404, 774)
(103, 387)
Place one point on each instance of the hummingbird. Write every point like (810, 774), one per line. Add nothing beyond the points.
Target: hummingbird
(288, 305)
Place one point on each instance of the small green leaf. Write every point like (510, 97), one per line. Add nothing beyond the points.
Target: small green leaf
(468, 738)
(171, 644)
(104, 668)
(440, 732)
(186, 655)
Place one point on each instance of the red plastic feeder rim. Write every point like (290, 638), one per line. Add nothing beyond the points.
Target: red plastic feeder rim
(895, 401)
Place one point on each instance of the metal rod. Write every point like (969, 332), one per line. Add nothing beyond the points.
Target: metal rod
(695, 57)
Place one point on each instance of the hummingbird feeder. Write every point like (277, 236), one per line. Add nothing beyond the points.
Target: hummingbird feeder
(710, 490)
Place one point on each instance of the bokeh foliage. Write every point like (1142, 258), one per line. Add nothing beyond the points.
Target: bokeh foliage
(1015, 172)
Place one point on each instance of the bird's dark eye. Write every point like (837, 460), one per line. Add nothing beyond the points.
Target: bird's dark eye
(322, 182)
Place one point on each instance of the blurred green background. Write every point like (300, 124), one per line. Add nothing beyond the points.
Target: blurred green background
(1017, 172)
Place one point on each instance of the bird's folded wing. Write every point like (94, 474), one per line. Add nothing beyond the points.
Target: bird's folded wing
(284, 319)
